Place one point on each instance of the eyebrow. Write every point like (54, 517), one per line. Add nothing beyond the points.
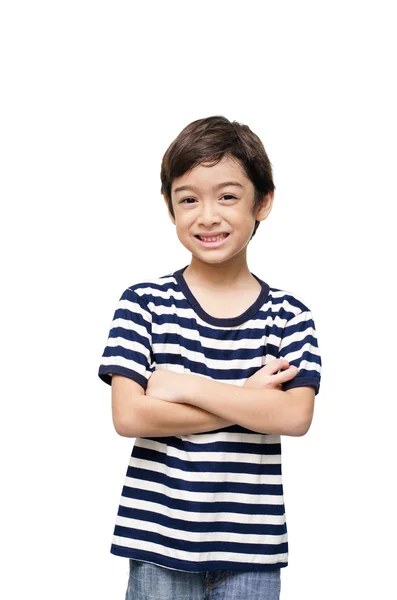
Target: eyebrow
(182, 188)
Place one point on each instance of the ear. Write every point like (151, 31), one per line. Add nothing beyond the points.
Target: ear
(266, 206)
(169, 213)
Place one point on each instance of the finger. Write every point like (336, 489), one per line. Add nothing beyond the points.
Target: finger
(274, 366)
(286, 375)
(280, 363)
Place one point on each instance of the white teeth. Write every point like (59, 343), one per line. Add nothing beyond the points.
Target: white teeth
(213, 239)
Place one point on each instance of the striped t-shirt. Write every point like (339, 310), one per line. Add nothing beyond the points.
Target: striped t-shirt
(206, 501)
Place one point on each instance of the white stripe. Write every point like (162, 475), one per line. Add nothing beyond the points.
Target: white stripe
(304, 364)
(167, 293)
(202, 517)
(288, 301)
(209, 497)
(192, 536)
(128, 325)
(182, 369)
(135, 307)
(211, 363)
(209, 342)
(134, 346)
(193, 457)
(226, 436)
(189, 313)
(204, 477)
(196, 557)
(298, 336)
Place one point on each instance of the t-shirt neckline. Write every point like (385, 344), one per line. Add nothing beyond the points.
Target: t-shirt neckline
(224, 322)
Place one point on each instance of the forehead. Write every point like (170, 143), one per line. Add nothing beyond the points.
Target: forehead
(205, 177)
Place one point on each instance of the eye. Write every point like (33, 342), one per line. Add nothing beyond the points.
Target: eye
(184, 201)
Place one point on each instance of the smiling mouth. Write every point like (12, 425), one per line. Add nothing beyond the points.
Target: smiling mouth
(212, 238)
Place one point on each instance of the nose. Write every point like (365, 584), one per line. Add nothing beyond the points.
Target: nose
(208, 214)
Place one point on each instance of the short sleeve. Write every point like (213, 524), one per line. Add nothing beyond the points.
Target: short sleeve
(299, 346)
(128, 350)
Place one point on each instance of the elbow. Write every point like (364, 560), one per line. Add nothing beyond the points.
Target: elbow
(126, 405)
(122, 432)
(120, 428)
(299, 431)
(119, 421)
(124, 427)
(136, 424)
(129, 431)
(302, 425)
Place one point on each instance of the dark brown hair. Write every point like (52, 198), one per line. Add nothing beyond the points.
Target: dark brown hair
(207, 141)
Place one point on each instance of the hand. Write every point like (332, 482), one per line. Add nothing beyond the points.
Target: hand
(265, 377)
(166, 385)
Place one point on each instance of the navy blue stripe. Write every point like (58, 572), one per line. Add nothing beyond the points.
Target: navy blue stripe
(183, 565)
(130, 335)
(280, 301)
(205, 466)
(188, 546)
(119, 351)
(202, 369)
(237, 429)
(226, 335)
(306, 354)
(206, 507)
(133, 317)
(132, 295)
(140, 288)
(200, 526)
(205, 486)
(196, 345)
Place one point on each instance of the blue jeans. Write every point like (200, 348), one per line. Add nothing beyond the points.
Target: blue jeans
(151, 582)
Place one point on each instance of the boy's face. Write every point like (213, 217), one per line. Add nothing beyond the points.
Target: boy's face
(209, 207)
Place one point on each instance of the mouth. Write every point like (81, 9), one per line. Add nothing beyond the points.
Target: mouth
(212, 241)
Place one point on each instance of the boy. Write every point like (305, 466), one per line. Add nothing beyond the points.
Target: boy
(209, 366)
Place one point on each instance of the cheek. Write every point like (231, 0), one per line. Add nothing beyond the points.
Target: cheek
(243, 221)
(182, 233)
(180, 228)
(183, 224)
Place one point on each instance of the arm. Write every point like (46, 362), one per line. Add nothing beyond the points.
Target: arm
(259, 409)
(138, 415)
(252, 411)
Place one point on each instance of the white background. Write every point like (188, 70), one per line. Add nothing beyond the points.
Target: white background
(92, 95)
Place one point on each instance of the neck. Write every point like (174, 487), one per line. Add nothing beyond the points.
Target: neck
(218, 276)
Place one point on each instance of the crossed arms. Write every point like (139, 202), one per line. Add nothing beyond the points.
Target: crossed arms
(181, 404)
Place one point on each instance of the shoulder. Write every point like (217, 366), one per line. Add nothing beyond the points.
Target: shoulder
(286, 303)
(151, 290)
